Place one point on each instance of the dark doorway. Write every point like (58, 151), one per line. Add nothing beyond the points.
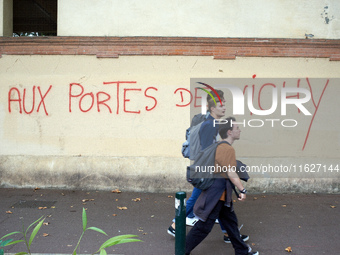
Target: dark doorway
(35, 17)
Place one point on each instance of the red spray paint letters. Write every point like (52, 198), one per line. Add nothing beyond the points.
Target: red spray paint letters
(102, 99)
(20, 97)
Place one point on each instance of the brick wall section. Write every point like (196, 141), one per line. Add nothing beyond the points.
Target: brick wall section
(219, 48)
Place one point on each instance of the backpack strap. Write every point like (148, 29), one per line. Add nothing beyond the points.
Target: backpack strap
(223, 142)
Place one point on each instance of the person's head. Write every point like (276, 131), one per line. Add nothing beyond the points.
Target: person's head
(216, 110)
(229, 129)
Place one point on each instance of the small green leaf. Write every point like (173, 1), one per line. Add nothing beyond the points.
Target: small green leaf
(129, 241)
(4, 243)
(15, 242)
(84, 220)
(21, 253)
(102, 252)
(116, 240)
(13, 233)
(35, 231)
(33, 224)
(98, 230)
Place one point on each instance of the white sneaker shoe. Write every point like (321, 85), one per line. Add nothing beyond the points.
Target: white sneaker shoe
(191, 221)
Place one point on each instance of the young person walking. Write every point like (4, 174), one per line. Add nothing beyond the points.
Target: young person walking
(216, 202)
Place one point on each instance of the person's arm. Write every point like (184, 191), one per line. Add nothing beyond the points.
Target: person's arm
(225, 156)
(233, 177)
(237, 182)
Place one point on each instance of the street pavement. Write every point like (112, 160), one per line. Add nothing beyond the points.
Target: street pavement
(308, 223)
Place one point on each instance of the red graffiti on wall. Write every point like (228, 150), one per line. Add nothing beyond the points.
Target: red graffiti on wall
(98, 99)
(125, 92)
(22, 100)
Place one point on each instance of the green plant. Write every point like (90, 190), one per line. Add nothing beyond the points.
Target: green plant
(110, 242)
(24, 233)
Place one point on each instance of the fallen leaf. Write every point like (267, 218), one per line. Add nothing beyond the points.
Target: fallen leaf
(42, 208)
(117, 199)
(69, 245)
(253, 244)
(122, 208)
(46, 223)
(116, 191)
(284, 205)
(255, 198)
(136, 199)
(333, 206)
(170, 196)
(84, 200)
(114, 215)
(62, 194)
(53, 207)
(45, 234)
(145, 233)
(8, 212)
(289, 249)
(36, 188)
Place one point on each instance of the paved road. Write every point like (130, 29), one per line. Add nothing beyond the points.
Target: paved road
(309, 224)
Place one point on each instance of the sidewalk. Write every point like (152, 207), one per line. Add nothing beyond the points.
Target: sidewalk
(309, 224)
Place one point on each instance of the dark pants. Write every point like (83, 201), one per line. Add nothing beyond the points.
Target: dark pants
(228, 219)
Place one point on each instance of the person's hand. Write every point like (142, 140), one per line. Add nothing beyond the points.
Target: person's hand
(242, 197)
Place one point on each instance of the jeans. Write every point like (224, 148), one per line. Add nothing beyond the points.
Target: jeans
(190, 206)
(228, 219)
(191, 202)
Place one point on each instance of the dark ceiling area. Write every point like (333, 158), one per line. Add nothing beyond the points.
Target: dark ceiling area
(35, 17)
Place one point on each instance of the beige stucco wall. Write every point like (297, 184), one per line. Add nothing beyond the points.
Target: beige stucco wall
(141, 151)
(204, 18)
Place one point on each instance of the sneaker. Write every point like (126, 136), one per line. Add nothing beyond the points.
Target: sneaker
(171, 231)
(191, 221)
(244, 238)
(251, 252)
